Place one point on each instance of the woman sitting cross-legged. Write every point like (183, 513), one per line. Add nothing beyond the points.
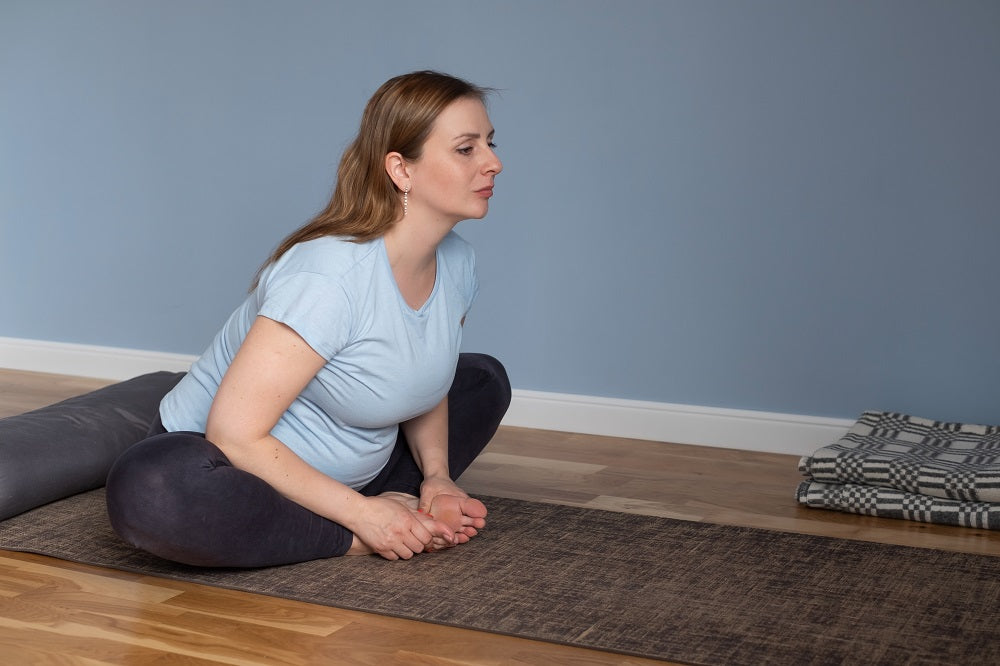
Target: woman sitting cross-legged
(333, 412)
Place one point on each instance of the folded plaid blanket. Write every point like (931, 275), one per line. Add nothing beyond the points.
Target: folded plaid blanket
(948, 460)
(891, 503)
(897, 466)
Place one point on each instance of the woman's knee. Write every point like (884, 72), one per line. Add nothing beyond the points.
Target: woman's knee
(148, 485)
(488, 374)
(157, 461)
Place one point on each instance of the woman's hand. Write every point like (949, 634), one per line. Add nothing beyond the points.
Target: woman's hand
(437, 485)
(395, 531)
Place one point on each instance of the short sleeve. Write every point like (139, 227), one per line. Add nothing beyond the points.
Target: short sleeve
(313, 305)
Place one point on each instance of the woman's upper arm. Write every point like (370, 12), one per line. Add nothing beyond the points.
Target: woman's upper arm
(272, 366)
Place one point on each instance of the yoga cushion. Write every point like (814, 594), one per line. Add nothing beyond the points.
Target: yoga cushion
(69, 447)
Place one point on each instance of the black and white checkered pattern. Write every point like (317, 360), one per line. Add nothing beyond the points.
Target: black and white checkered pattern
(951, 461)
(891, 503)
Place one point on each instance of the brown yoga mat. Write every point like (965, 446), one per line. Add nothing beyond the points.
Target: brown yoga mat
(654, 587)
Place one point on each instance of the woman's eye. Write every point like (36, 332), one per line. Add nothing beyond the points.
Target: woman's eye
(467, 150)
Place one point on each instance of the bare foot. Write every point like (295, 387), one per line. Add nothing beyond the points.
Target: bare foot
(359, 547)
(464, 515)
(409, 501)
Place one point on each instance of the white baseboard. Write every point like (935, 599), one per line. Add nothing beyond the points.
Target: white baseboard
(633, 419)
(680, 424)
(64, 358)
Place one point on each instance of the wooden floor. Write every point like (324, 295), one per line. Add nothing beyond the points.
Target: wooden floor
(55, 612)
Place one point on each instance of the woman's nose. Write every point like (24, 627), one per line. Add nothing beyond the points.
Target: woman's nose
(493, 164)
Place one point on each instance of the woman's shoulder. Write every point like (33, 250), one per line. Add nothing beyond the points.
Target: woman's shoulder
(333, 256)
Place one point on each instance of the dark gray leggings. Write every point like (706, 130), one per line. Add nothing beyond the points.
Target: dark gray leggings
(177, 496)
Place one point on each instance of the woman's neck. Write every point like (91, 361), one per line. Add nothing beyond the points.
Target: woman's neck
(412, 253)
(413, 246)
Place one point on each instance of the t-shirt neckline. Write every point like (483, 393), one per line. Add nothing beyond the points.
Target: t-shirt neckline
(422, 310)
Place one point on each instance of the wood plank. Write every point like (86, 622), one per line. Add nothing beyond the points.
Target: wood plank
(21, 391)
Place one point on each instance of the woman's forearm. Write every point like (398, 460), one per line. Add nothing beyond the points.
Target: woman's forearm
(427, 436)
(271, 460)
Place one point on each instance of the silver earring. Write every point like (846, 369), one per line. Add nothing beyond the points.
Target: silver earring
(406, 198)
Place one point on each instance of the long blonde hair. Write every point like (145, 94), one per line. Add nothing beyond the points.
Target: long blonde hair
(397, 118)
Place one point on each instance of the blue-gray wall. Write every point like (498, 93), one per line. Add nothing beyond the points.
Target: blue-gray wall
(777, 205)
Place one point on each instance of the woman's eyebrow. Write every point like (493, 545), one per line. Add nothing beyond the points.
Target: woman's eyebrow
(473, 135)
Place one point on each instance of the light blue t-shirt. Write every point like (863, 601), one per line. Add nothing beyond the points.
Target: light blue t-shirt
(386, 362)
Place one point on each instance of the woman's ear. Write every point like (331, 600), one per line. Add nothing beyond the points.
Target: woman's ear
(398, 170)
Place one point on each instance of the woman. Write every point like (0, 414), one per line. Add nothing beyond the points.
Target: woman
(333, 411)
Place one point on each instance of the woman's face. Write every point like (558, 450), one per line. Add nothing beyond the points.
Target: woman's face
(453, 179)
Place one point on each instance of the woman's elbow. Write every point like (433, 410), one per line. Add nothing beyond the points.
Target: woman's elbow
(233, 441)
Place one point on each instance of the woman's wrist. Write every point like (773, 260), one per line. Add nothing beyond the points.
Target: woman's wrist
(437, 475)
